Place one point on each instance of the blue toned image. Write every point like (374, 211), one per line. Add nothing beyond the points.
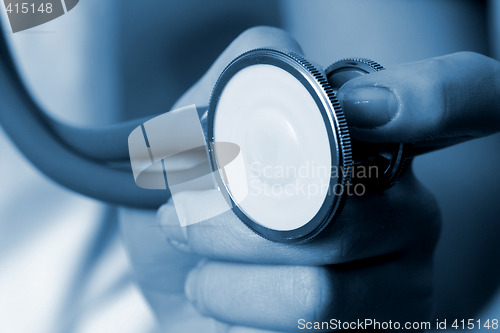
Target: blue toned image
(249, 166)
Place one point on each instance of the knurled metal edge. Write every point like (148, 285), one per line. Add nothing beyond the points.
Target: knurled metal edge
(407, 155)
(343, 131)
(375, 65)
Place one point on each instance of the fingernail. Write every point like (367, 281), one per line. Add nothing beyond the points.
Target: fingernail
(183, 247)
(177, 235)
(368, 107)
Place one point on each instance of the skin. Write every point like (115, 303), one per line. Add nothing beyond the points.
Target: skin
(375, 261)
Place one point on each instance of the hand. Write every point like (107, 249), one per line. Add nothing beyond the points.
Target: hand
(375, 261)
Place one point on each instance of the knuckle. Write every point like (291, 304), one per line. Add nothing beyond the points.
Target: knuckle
(265, 36)
(442, 81)
(422, 98)
(469, 56)
(259, 32)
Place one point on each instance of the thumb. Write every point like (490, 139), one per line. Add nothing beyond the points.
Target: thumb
(445, 99)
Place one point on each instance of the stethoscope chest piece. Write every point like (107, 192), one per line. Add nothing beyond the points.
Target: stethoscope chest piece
(296, 162)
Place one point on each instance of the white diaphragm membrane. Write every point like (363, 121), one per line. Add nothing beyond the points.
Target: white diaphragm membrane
(284, 147)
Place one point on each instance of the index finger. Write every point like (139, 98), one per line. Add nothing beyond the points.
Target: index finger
(434, 103)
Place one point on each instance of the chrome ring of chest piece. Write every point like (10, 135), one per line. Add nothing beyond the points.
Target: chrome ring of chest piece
(294, 141)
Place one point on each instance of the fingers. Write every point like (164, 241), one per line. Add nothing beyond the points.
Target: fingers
(257, 37)
(442, 100)
(406, 216)
(286, 298)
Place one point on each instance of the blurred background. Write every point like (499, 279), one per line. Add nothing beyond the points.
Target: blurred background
(63, 266)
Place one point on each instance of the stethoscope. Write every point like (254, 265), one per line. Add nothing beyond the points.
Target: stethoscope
(277, 108)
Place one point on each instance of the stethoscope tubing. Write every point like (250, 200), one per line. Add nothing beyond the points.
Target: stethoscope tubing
(90, 161)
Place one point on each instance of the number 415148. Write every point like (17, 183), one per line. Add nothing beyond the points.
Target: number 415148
(26, 8)
(470, 324)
